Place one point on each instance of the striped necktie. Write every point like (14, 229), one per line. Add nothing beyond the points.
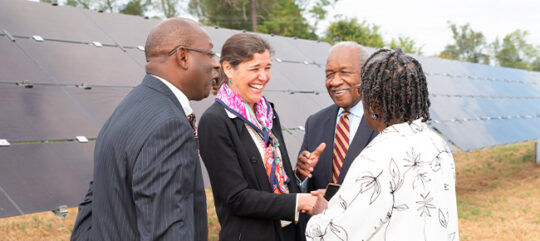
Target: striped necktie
(193, 122)
(341, 145)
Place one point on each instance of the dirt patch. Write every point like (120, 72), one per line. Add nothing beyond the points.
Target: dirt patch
(498, 192)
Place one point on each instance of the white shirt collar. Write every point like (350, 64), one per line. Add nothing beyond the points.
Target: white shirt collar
(182, 98)
(356, 110)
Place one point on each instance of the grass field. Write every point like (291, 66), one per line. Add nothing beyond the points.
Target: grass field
(498, 199)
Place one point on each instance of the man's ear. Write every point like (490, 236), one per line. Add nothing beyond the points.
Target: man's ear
(182, 58)
(227, 69)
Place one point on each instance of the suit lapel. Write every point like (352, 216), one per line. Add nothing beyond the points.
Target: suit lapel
(360, 140)
(156, 84)
(328, 137)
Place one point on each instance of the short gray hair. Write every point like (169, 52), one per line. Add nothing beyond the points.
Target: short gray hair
(363, 54)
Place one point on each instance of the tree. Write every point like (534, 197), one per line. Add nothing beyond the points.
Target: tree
(515, 52)
(98, 5)
(351, 30)
(318, 11)
(108, 5)
(135, 7)
(468, 46)
(169, 8)
(282, 17)
(79, 3)
(535, 65)
(406, 44)
(229, 13)
(285, 18)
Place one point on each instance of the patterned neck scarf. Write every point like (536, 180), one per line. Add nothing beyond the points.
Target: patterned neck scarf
(261, 122)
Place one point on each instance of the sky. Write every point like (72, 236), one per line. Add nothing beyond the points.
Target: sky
(426, 21)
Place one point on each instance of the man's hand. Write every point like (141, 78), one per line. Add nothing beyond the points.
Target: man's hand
(320, 205)
(307, 160)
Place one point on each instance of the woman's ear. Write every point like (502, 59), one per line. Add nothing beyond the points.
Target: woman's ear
(227, 69)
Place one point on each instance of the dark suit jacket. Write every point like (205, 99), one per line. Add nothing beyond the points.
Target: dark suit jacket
(321, 127)
(246, 207)
(147, 175)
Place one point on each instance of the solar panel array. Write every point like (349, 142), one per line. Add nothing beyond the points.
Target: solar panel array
(63, 70)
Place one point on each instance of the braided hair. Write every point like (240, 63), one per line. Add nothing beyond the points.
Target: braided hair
(394, 85)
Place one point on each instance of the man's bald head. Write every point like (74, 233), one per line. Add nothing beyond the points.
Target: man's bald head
(169, 34)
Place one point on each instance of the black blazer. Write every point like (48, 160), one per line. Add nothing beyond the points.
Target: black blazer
(246, 207)
(147, 176)
(321, 127)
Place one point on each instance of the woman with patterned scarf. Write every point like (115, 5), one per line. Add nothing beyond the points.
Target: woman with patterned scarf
(242, 147)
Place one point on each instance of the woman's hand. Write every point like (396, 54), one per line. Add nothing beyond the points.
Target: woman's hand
(306, 202)
(320, 205)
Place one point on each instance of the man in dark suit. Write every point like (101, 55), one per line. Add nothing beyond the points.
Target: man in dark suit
(147, 176)
(334, 151)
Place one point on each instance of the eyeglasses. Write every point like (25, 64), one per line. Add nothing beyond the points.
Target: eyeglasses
(212, 54)
(343, 74)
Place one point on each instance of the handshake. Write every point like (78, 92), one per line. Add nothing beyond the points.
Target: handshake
(313, 203)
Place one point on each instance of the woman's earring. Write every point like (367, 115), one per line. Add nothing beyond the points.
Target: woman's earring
(373, 116)
(230, 81)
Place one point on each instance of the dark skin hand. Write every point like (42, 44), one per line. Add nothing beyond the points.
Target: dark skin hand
(308, 160)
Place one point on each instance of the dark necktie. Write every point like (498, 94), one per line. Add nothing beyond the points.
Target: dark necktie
(341, 145)
(193, 122)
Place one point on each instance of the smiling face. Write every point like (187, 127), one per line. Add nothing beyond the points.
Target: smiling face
(249, 77)
(343, 76)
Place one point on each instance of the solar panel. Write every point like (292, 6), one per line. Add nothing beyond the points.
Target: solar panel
(16, 66)
(99, 102)
(63, 23)
(44, 176)
(218, 36)
(75, 63)
(306, 77)
(6, 206)
(470, 135)
(43, 113)
(125, 30)
(138, 56)
(315, 51)
(293, 109)
(283, 49)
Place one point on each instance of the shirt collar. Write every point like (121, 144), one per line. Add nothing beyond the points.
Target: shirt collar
(356, 110)
(182, 98)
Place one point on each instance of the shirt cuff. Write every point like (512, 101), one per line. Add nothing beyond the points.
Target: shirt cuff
(296, 212)
(301, 184)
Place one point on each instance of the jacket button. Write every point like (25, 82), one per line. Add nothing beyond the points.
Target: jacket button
(253, 159)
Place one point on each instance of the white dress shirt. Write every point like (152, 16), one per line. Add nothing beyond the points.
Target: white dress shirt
(182, 98)
(400, 187)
